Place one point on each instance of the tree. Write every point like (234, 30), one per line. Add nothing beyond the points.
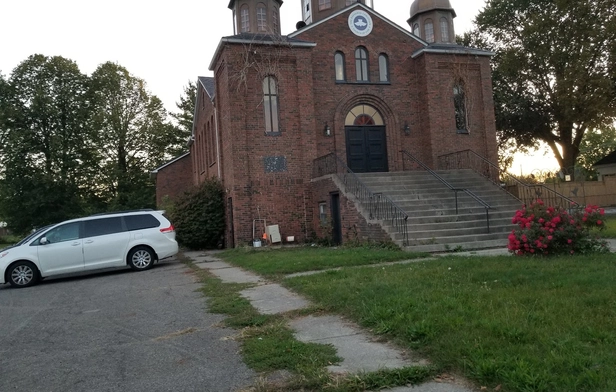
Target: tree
(45, 142)
(184, 117)
(133, 136)
(594, 147)
(554, 70)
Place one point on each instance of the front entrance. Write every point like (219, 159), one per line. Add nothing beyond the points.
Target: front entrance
(365, 140)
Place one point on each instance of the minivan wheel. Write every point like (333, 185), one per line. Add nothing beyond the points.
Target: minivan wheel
(141, 258)
(23, 274)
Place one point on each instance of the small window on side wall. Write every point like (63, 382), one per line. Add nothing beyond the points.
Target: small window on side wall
(383, 68)
(270, 104)
(459, 101)
(323, 213)
(339, 65)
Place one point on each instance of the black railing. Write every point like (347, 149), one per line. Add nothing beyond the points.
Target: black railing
(455, 190)
(377, 205)
(526, 193)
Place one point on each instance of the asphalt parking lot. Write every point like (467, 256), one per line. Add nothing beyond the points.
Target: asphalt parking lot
(116, 331)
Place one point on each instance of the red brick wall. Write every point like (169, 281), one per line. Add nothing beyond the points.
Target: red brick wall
(173, 180)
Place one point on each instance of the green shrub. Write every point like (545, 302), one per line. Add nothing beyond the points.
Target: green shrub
(199, 216)
(553, 231)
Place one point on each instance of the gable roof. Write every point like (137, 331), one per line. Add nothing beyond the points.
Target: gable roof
(367, 9)
(208, 85)
(155, 171)
(607, 160)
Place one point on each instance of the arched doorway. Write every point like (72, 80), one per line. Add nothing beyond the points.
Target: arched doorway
(365, 140)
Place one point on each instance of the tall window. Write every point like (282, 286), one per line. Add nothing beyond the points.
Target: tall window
(325, 4)
(416, 29)
(245, 17)
(270, 104)
(275, 19)
(429, 29)
(383, 68)
(261, 17)
(459, 102)
(444, 30)
(339, 64)
(361, 64)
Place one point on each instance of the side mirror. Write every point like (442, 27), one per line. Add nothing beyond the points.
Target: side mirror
(44, 241)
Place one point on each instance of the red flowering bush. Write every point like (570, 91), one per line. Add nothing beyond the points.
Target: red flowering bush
(554, 231)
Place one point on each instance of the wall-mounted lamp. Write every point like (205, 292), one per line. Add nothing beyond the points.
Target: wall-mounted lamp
(327, 130)
(407, 129)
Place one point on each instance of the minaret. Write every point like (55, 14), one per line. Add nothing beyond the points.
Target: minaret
(256, 16)
(316, 10)
(432, 20)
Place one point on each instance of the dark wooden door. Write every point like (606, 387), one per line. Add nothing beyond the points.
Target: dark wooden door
(366, 149)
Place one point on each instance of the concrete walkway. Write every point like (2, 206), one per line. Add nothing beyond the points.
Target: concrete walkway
(360, 352)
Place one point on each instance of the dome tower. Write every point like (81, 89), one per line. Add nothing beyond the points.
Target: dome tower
(256, 16)
(432, 20)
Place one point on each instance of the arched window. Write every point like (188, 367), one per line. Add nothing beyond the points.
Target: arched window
(245, 18)
(445, 30)
(459, 102)
(275, 17)
(261, 17)
(429, 30)
(325, 4)
(339, 65)
(361, 64)
(363, 115)
(416, 29)
(383, 68)
(270, 104)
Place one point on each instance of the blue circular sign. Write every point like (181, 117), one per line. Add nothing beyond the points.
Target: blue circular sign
(360, 23)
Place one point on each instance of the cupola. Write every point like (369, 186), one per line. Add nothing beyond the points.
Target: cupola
(256, 16)
(432, 20)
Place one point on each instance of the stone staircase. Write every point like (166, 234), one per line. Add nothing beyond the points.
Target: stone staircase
(433, 223)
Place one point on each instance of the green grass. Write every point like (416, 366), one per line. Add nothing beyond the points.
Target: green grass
(268, 345)
(610, 227)
(275, 262)
(525, 324)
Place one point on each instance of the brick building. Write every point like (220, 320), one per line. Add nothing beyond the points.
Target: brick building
(348, 82)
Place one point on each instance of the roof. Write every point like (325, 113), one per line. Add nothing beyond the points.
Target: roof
(209, 85)
(259, 39)
(155, 171)
(368, 9)
(607, 160)
(439, 48)
(422, 6)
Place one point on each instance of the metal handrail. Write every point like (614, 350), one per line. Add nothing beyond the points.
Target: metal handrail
(526, 193)
(379, 206)
(478, 199)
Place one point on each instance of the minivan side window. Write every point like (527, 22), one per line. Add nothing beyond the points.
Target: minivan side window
(102, 226)
(138, 222)
(67, 232)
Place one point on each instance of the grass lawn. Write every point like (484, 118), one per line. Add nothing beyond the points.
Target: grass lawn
(524, 324)
(610, 227)
(271, 261)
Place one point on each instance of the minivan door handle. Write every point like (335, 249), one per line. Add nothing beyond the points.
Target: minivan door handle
(76, 244)
(89, 241)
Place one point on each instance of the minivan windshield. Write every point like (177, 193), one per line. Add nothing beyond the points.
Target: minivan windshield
(32, 235)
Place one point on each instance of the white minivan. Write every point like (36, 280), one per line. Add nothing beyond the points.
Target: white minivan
(134, 238)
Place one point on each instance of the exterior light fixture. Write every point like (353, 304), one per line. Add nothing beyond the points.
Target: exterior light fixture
(327, 130)
(407, 129)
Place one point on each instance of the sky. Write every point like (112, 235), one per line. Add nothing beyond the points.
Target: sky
(167, 44)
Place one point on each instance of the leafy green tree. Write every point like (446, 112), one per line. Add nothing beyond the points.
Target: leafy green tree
(594, 147)
(44, 110)
(133, 136)
(554, 70)
(184, 117)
